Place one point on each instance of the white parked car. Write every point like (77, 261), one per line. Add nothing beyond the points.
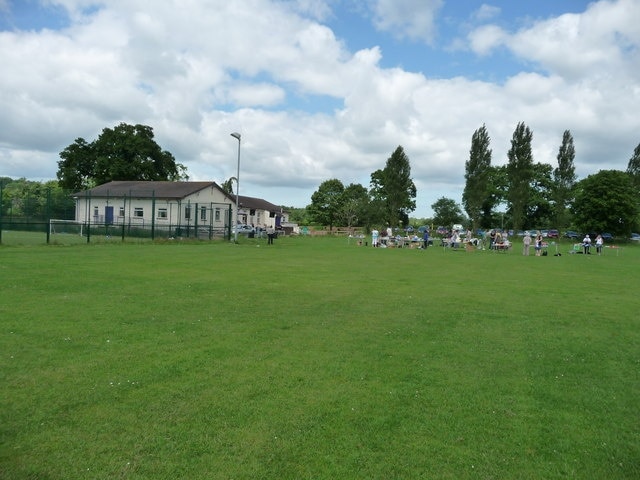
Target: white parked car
(242, 229)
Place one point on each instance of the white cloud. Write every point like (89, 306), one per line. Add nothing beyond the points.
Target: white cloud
(196, 71)
(413, 19)
(487, 38)
(486, 12)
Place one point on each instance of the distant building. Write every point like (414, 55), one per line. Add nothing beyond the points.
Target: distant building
(170, 205)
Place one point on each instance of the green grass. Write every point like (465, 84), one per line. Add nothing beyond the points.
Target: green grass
(314, 358)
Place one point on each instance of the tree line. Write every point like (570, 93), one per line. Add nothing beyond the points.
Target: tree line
(521, 194)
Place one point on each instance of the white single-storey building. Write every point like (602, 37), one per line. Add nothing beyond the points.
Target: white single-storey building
(171, 206)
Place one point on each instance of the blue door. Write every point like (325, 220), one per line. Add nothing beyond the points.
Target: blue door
(108, 215)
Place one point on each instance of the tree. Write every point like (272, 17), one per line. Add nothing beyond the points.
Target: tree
(539, 211)
(393, 188)
(564, 180)
(447, 212)
(519, 174)
(477, 176)
(227, 185)
(606, 202)
(633, 167)
(354, 202)
(126, 152)
(496, 194)
(326, 202)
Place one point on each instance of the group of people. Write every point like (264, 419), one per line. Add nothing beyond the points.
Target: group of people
(497, 240)
(381, 238)
(586, 244)
(538, 243)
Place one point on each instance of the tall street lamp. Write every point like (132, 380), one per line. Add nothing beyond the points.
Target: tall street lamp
(237, 136)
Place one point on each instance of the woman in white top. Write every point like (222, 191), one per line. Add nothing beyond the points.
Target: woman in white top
(599, 242)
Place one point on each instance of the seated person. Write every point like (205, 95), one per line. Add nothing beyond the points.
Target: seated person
(454, 241)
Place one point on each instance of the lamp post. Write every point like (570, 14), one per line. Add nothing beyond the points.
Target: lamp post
(237, 136)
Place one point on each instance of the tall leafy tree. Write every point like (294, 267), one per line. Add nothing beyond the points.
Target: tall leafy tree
(606, 202)
(633, 168)
(564, 180)
(496, 195)
(393, 188)
(125, 152)
(447, 212)
(539, 211)
(354, 203)
(477, 176)
(76, 170)
(326, 202)
(520, 174)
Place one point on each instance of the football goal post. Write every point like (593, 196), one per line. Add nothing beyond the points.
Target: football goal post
(72, 227)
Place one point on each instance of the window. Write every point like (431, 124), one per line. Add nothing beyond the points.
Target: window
(217, 214)
(162, 213)
(138, 212)
(203, 213)
(96, 212)
(121, 212)
(187, 212)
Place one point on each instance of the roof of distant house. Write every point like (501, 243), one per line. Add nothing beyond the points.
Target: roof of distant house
(169, 190)
(148, 189)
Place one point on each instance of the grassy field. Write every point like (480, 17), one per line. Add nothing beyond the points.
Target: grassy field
(317, 359)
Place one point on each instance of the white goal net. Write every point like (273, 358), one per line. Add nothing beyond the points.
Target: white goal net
(65, 226)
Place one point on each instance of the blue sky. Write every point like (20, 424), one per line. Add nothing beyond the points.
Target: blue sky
(321, 89)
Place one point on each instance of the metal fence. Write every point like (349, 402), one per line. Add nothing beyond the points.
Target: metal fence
(48, 215)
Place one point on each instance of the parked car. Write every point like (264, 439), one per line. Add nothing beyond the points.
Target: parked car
(242, 229)
(553, 233)
(571, 234)
(606, 236)
(635, 237)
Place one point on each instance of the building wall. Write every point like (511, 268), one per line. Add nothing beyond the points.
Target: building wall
(206, 207)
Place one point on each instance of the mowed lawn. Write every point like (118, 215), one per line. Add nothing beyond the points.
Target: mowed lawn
(317, 359)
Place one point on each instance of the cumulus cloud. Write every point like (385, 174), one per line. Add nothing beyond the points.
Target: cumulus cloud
(413, 19)
(310, 109)
(486, 12)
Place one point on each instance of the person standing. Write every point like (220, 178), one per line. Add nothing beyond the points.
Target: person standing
(270, 234)
(374, 237)
(599, 243)
(425, 239)
(586, 244)
(538, 244)
(527, 244)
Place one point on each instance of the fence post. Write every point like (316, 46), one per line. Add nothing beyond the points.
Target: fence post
(153, 214)
(88, 216)
(124, 218)
(1, 209)
(47, 215)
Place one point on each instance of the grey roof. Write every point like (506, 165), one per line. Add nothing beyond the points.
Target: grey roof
(169, 190)
(147, 189)
(258, 204)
